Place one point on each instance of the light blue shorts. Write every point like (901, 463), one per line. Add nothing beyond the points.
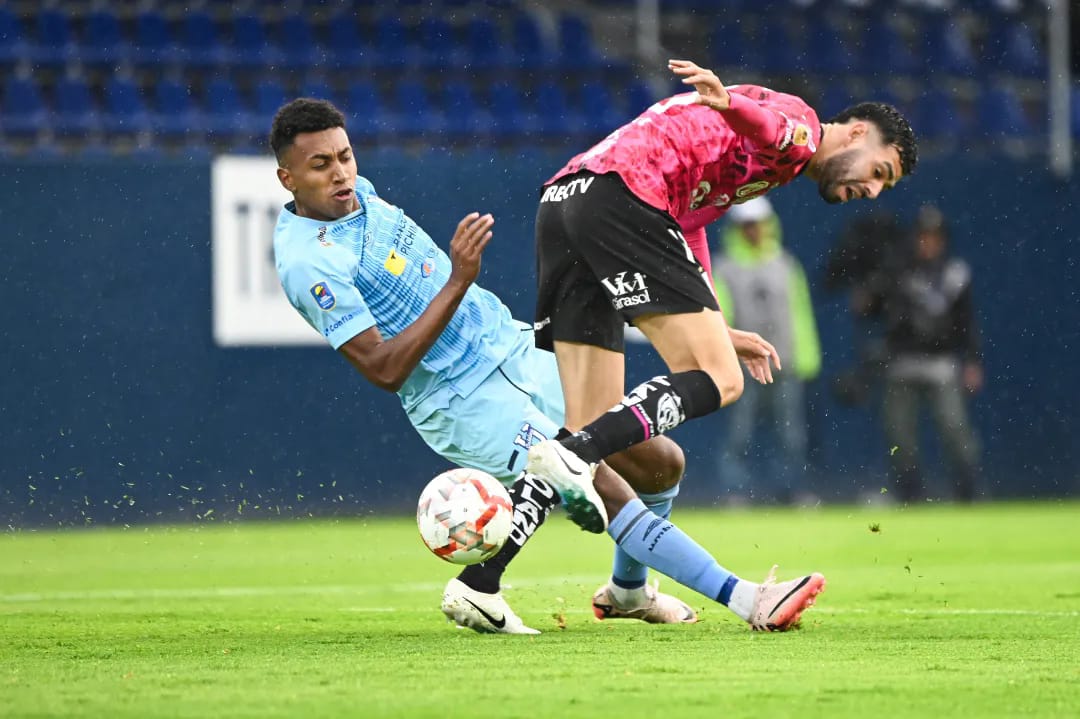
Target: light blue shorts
(517, 406)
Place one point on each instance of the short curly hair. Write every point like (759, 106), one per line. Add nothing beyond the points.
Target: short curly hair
(302, 115)
(894, 127)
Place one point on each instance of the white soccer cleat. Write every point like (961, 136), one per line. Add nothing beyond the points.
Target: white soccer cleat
(777, 607)
(572, 478)
(481, 612)
(659, 608)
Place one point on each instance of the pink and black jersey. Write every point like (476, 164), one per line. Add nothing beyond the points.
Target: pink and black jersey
(695, 163)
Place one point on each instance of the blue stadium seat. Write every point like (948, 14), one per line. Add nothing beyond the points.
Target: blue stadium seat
(13, 43)
(154, 46)
(639, 97)
(557, 118)
(576, 50)
(947, 48)
(227, 117)
(783, 53)
(74, 112)
(886, 51)
(829, 52)
(438, 46)
(465, 119)
(530, 50)
(1015, 49)
(368, 117)
(512, 119)
(248, 47)
(268, 95)
(835, 98)
(317, 86)
(55, 39)
(391, 41)
(599, 113)
(937, 117)
(298, 47)
(176, 113)
(103, 43)
(728, 47)
(202, 46)
(483, 45)
(414, 114)
(23, 106)
(345, 47)
(125, 112)
(1001, 114)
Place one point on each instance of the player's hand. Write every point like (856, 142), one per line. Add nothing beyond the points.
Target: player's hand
(756, 353)
(471, 237)
(710, 90)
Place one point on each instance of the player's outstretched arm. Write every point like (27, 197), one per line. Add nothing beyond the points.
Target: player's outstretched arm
(388, 363)
(711, 91)
(742, 114)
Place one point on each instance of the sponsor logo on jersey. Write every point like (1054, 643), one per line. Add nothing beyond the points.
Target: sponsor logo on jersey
(338, 325)
(627, 293)
(428, 265)
(322, 237)
(322, 294)
(801, 136)
(395, 263)
(751, 188)
(699, 194)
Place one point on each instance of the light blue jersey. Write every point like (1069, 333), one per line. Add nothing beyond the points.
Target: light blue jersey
(376, 267)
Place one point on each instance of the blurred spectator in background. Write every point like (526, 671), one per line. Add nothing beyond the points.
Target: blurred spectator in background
(865, 262)
(933, 357)
(762, 288)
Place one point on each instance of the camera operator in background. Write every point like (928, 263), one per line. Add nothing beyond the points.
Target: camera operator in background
(864, 263)
(932, 357)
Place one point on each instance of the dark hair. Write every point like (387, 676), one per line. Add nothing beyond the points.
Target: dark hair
(895, 129)
(299, 116)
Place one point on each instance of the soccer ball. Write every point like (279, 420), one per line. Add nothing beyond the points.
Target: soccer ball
(464, 516)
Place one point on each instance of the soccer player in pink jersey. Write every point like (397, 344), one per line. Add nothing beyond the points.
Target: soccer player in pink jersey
(620, 239)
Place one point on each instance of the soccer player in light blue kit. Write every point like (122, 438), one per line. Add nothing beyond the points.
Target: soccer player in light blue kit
(470, 379)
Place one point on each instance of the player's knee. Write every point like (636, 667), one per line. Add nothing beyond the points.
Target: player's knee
(729, 383)
(651, 467)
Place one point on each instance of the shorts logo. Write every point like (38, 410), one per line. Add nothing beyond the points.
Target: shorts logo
(751, 188)
(322, 294)
(395, 263)
(559, 192)
(627, 293)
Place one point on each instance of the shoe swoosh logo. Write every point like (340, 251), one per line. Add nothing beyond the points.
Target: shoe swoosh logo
(786, 596)
(497, 623)
(566, 464)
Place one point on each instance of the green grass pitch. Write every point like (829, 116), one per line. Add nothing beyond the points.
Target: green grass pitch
(934, 611)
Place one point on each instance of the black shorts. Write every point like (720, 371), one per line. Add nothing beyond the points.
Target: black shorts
(604, 258)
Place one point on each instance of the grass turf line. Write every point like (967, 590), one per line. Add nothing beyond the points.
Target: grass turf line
(943, 610)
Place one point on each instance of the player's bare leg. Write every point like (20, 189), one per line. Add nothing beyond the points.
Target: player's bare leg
(704, 366)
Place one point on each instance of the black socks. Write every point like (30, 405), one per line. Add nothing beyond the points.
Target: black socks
(533, 499)
(651, 408)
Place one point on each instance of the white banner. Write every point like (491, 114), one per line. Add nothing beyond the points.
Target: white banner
(249, 305)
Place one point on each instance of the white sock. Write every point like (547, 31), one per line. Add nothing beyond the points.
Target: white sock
(627, 598)
(742, 599)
